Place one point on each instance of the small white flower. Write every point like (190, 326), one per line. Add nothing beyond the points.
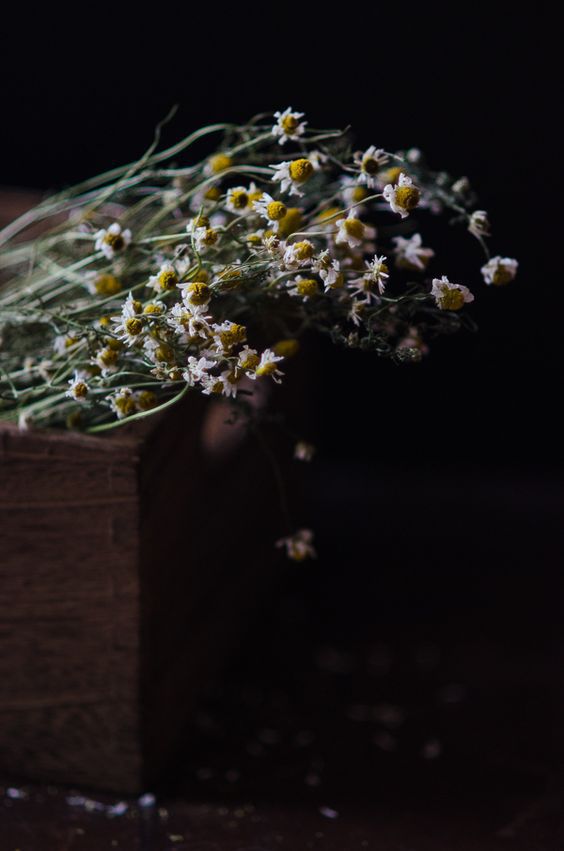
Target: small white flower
(410, 252)
(370, 162)
(288, 126)
(239, 199)
(413, 155)
(298, 546)
(304, 451)
(130, 326)
(332, 276)
(298, 254)
(351, 231)
(165, 280)
(122, 402)
(197, 370)
(450, 296)
(78, 388)
(500, 270)
(248, 360)
(304, 288)
(479, 224)
(375, 277)
(189, 321)
(267, 366)
(112, 241)
(270, 209)
(292, 175)
(65, 343)
(403, 197)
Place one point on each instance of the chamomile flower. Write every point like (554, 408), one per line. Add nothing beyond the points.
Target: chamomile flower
(113, 240)
(479, 224)
(248, 359)
(500, 270)
(238, 200)
(450, 296)
(351, 231)
(298, 254)
(410, 253)
(190, 322)
(197, 370)
(370, 162)
(292, 175)
(78, 388)
(196, 295)
(122, 402)
(130, 326)
(65, 343)
(373, 282)
(403, 197)
(267, 366)
(288, 126)
(298, 546)
(304, 288)
(270, 209)
(102, 284)
(218, 163)
(332, 276)
(227, 335)
(165, 280)
(106, 359)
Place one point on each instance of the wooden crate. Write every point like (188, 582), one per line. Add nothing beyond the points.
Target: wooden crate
(128, 565)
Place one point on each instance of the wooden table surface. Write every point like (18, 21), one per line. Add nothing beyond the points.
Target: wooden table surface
(366, 716)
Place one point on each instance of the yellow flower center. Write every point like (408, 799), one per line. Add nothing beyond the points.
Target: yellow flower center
(255, 196)
(303, 250)
(70, 341)
(239, 199)
(133, 326)
(407, 197)
(104, 321)
(328, 213)
(199, 293)
(451, 300)
(370, 165)
(217, 388)
(125, 404)
(80, 390)
(308, 287)
(219, 162)
(235, 335)
(289, 123)
(136, 306)
(146, 400)
(291, 222)
(254, 239)
(267, 368)
(107, 285)
(359, 193)
(108, 356)
(112, 343)
(250, 361)
(200, 222)
(392, 174)
(276, 210)
(338, 283)
(210, 237)
(286, 348)
(300, 170)
(167, 280)
(502, 276)
(354, 228)
(213, 193)
(114, 240)
(164, 352)
(153, 309)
